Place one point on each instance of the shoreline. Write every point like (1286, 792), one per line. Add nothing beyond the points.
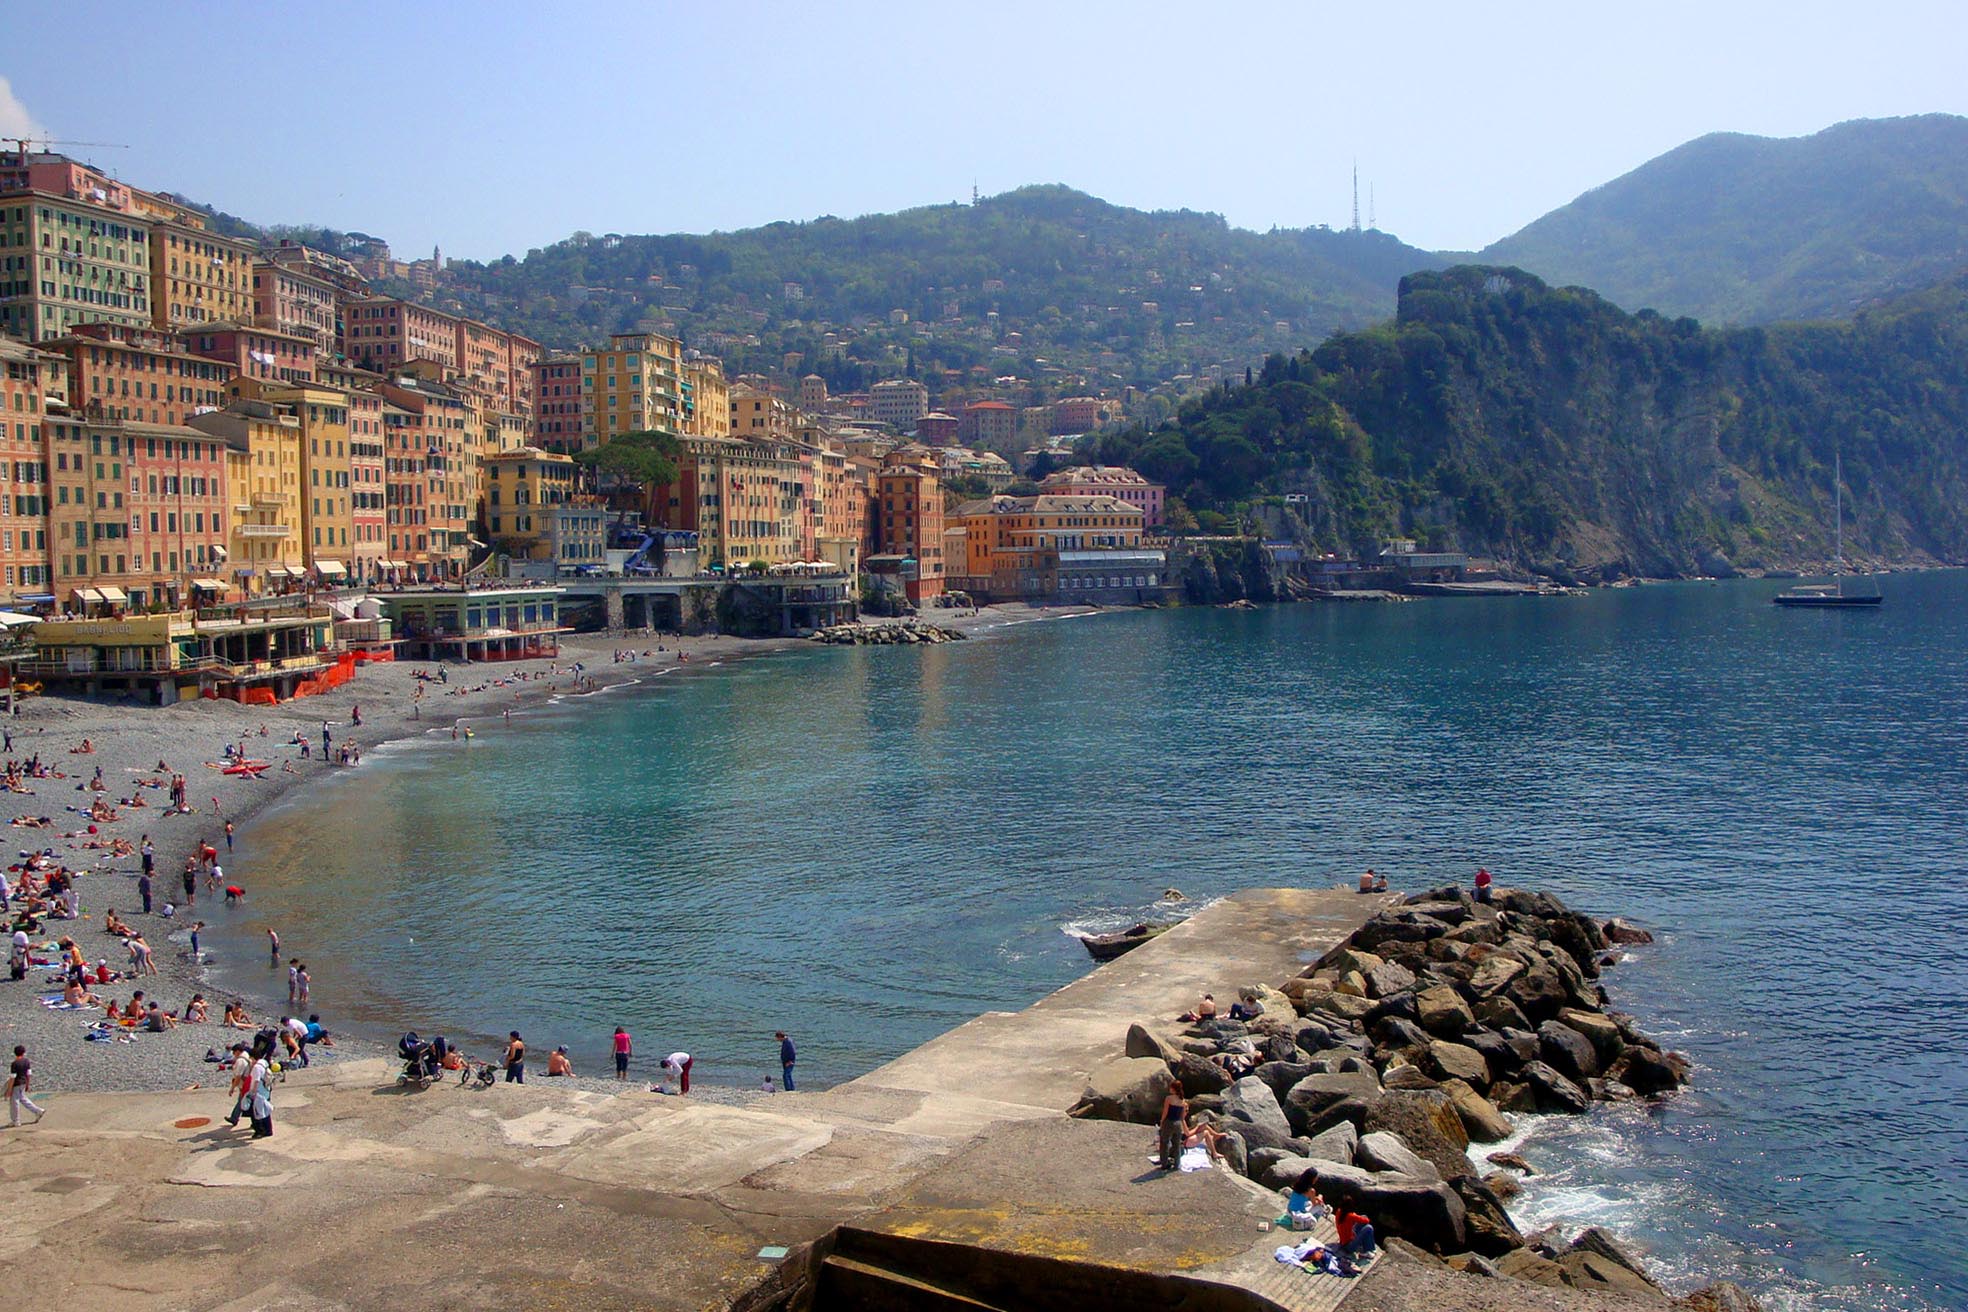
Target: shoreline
(130, 740)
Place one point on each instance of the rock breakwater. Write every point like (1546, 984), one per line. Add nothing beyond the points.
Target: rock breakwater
(882, 635)
(1373, 1072)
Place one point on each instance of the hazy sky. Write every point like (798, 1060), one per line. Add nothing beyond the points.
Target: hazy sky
(494, 127)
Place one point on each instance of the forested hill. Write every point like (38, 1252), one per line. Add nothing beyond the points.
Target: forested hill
(1741, 229)
(1551, 430)
(1042, 274)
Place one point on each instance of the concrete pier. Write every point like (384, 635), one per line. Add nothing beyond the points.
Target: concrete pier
(544, 1196)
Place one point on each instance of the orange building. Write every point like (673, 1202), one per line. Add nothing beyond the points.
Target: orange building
(383, 333)
(143, 375)
(368, 488)
(1013, 545)
(28, 379)
(294, 299)
(256, 352)
(909, 519)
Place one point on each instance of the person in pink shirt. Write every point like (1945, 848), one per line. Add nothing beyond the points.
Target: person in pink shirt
(623, 1047)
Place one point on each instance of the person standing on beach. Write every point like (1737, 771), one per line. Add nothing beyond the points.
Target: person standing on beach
(679, 1064)
(143, 882)
(623, 1048)
(293, 979)
(241, 1065)
(19, 1077)
(149, 854)
(515, 1059)
(273, 947)
(260, 1098)
(787, 1055)
(301, 980)
(191, 881)
(228, 838)
(324, 740)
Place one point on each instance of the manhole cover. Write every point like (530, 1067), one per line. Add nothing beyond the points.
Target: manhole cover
(192, 1122)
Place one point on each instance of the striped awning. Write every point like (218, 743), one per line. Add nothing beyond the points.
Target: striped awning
(115, 596)
(330, 567)
(88, 595)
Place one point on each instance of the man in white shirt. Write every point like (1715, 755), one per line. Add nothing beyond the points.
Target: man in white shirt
(679, 1064)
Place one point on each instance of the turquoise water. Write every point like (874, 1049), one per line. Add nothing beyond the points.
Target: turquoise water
(868, 846)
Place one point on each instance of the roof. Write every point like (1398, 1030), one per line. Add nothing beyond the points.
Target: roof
(1048, 504)
(529, 453)
(987, 405)
(1114, 475)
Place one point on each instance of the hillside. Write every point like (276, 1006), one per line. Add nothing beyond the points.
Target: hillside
(1741, 229)
(1551, 430)
(1035, 282)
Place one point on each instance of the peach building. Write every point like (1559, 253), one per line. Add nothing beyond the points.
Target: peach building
(1112, 481)
(383, 334)
(557, 421)
(139, 374)
(198, 277)
(256, 352)
(29, 378)
(909, 519)
(295, 300)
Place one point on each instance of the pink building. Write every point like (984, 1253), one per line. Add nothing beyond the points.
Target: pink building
(1109, 481)
(295, 300)
(256, 352)
(557, 424)
(383, 334)
(60, 176)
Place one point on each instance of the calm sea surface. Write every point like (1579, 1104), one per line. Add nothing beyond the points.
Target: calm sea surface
(868, 846)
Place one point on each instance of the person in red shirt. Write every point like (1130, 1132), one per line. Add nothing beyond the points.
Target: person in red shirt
(623, 1047)
(1482, 884)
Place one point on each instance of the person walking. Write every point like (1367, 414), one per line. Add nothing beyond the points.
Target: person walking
(273, 948)
(787, 1055)
(20, 1076)
(679, 1064)
(228, 838)
(325, 739)
(241, 1065)
(143, 885)
(260, 1096)
(515, 1059)
(623, 1048)
(191, 882)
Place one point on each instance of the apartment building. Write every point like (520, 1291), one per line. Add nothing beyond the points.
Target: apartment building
(294, 299)
(383, 334)
(267, 550)
(634, 384)
(199, 277)
(557, 419)
(142, 374)
(258, 352)
(65, 262)
(29, 378)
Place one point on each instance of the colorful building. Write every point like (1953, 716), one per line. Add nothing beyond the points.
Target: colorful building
(144, 374)
(706, 399)
(267, 551)
(30, 380)
(327, 506)
(477, 624)
(1014, 546)
(522, 490)
(384, 334)
(447, 464)
(368, 489)
(909, 519)
(633, 385)
(1113, 481)
(1080, 414)
(557, 418)
(746, 501)
(179, 531)
(293, 298)
(198, 277)
(257, 352)
(69, 262)
(989, 424)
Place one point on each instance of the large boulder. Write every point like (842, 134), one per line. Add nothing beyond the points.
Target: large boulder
(1599, 1029)
(1125, 1089)
(1649, 1071)
(1524, 1264)
(1281, 1075)
(1402, 1075)
(1426, 1120)
(1480, 1117)
(1251, 1099)
(1487, 1225)
(1345, 957)
(1441, 1011)
(1341, 1144)
(1315, 1094)
(1199, 1074)
(1144, 1042)
(1500, 1013)
(1567, 1051)
(1257, 1136)
(1497, 1052)
(1552, 1092)
(1591, 1271)
(1397, 1033)
(1494, 973)
(1336, 1010)
(1389, 978)
(1602, 1244)
(1275, 1169)
(1723, 1296)
(1540, 992)
(1381, 1151)
(1455, 1061)
(1425, 1213)
(1624, 931)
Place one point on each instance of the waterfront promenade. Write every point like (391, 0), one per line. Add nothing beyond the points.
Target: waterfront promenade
(539, 1196)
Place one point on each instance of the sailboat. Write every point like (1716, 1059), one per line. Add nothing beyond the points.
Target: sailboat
(1831, 595)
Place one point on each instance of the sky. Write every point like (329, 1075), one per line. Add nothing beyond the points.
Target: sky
(490, 128)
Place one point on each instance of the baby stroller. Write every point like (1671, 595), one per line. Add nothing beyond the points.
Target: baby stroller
(422, 1060)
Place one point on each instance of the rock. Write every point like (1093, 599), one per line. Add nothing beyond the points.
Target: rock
(1513, 1098)
(1340, 1143)
(1487, 1225)
(1497, 1052)
(1426, 1121)
(1442, 1011)
(1251, 1099)
(1353, 984)
(1393, 927)
(1500, 1013)
(1494, 974)
(1504, 1185)
(1396, 1033)
(1405, 1076)
(1473, 1264)
(1567, 1051)
(1512, 1161)
(1523, 1043)
(1480, 1117)
(1523, 1264)
(1387, 978)
(1599, 1030)
(1276, 1170)
(1625, 931)
(1597, 1241)
(1455, 1061)
(1540, 992)
(1125, 1089)
(1257, 1136)
(1314, 1036)
(1723, 1296)
(1315, 1094)
(1144, 1042)
(1199, 1074)
(1591, 1271)
(1281, 1075)
(1381, 1151)
(1235, 1150)
(1221, 1029)
(1552, 1092)
(1649, 1071)
(1343, 958)
(1423, 1212)
(1408, 1252)
(1342, 1007)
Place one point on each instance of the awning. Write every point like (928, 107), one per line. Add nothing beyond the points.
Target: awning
(115, 595)
(210, 585)
(11, 620)
(278, 571)
(330, 567)
(88, 595)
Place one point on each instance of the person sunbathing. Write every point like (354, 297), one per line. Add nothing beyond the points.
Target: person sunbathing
(77, 996)
(115, 924)
(1201, 1134)
(135, 1010)
(85, 749)
(195, 1012)
(557, 1063)
(236, 1017)
(1204, 1010)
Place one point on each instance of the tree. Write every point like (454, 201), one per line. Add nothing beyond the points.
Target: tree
(647, 458)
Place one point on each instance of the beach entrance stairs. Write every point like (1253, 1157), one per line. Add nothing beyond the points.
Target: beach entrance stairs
(870, 1271)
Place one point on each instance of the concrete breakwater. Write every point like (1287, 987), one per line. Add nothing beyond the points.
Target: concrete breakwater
(1374, 1072)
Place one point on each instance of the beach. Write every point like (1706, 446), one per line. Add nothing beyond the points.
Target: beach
(135, 744)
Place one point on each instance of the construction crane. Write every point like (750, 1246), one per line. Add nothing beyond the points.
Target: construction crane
(22, 143)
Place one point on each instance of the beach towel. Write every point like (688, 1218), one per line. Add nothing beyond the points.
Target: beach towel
(1194, 1159)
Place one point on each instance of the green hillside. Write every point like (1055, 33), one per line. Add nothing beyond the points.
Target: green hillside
(1551, 430)
(1032, 282)
(1741, 229)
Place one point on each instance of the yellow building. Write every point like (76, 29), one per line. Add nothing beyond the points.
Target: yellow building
(327, 516)
(746, 501)
(263, 482)
(199, 277)
(633, 385)
(706, 399)
(759, 414)
(1012, 543)
(522, 490)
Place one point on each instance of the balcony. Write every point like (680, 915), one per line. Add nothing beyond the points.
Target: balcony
(268, 501)
(262, 530)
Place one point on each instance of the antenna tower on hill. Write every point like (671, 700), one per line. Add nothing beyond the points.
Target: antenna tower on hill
(1356, 195)
(973, 191)
(1372, 221)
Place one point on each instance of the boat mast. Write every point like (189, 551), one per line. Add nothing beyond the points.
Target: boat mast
(1838, 512)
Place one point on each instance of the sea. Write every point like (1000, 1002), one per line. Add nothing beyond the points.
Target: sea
(868, 846)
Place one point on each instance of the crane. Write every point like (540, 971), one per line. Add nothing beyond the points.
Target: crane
(22, 143)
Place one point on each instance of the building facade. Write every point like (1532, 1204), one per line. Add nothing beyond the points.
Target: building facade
(29, 378)
(199, 277)
(557, 420)
(898, 402)
(1113, 481)
(383, 334)
(633, 385)
(116, 372)
(909, 519)
(69, 262)
(292, 298)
